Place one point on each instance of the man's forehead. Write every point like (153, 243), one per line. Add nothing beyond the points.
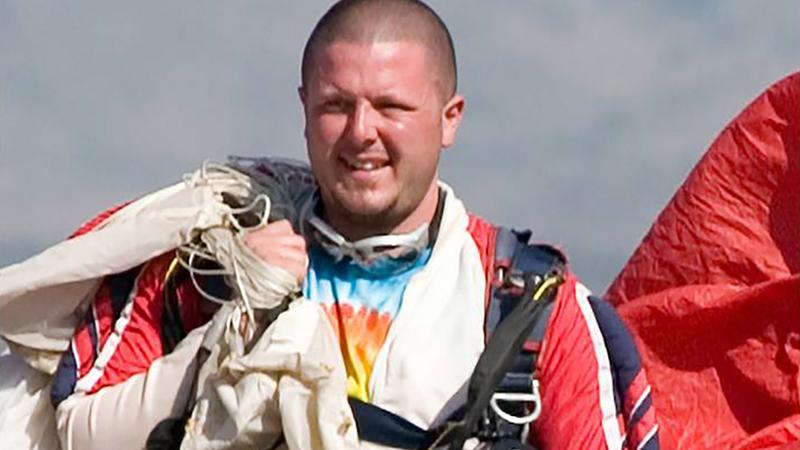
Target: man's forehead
(373, 60)
(343, 51)
(378, 21)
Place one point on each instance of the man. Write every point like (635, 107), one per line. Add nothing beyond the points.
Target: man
(400, 267)
(379, 96)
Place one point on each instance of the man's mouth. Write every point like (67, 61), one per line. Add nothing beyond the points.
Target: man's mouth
(365, 165)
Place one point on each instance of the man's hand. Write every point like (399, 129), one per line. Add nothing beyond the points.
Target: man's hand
(277, 244)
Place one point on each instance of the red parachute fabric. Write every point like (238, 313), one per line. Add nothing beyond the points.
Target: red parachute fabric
(713, 291)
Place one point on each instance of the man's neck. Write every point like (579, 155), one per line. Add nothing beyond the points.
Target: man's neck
(355, 228)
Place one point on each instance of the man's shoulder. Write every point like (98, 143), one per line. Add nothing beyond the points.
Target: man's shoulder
(503, 246)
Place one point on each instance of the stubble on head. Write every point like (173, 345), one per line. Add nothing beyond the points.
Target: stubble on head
(370, 21)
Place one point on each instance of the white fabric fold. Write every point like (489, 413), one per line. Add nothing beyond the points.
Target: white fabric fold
(292, 383)
(40, 298)
(295, 365)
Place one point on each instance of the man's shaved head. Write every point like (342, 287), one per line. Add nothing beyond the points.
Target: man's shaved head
(367, 21)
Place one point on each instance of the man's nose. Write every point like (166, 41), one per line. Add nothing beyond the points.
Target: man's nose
(364, 123)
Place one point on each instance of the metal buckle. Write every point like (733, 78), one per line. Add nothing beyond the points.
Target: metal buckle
(533, 397)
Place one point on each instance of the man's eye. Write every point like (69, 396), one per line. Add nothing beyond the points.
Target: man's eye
(333, 106)
(392, 106)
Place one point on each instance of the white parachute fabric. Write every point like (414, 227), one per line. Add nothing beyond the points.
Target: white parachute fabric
(291, 381)
(291, 384)
(43, 299)
(26, 416)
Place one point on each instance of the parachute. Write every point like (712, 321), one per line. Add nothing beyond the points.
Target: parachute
(69, 285)
(713, 290)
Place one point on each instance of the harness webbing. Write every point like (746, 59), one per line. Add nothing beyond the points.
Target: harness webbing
(383, 427)
(498, 357)
(522, 293)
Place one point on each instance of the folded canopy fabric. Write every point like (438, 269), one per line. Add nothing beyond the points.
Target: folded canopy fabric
(713, 290)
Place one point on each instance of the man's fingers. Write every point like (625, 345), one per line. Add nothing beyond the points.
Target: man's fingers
(276, 228)
(270, 231)
(296, 263)
(291, 241)
(277, 254)
(262, 243)
(277, 244)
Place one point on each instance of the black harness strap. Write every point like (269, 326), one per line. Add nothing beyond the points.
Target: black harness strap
(383, 427)
(515, 324)
(497, 359)
(517, 261)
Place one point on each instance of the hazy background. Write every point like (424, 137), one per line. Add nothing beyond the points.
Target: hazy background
(582, 117)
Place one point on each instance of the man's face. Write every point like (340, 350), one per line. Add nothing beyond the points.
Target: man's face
(375, 125)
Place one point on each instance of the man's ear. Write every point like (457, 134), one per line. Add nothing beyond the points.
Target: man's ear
(452, 113)
(301, 92)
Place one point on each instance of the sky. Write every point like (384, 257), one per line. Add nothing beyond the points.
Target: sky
(582, 118)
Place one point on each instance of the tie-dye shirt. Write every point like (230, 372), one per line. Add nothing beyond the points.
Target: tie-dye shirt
(361, 305)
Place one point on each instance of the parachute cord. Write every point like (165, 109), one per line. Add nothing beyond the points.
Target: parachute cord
(257, 285)
(243, 292)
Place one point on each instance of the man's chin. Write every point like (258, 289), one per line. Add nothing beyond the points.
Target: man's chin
(367, 212)
(370, 216)
(363, 204)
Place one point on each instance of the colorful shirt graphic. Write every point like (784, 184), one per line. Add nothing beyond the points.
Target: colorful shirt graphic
(361, 305)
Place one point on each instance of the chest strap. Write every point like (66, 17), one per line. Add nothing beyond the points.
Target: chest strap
(523, 288)
(521, 269)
